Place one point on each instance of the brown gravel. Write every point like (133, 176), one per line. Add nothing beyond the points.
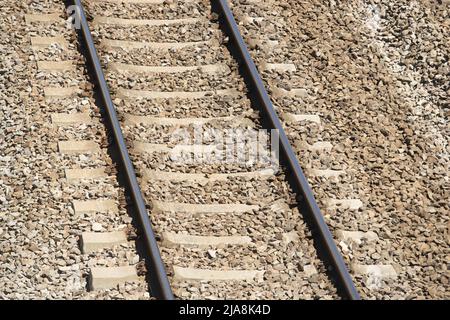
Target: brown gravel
(377, 74)
(40, 232)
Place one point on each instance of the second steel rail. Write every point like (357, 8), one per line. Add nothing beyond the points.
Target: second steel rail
(266, 106)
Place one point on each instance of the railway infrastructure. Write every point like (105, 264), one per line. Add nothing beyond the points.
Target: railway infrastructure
(149, 104)
(177, 239)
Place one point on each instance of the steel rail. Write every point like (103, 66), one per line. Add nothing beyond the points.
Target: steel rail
(159, 283)
(265, 104)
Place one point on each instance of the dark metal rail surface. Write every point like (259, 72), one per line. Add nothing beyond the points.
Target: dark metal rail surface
(159, 282)
(264, 103)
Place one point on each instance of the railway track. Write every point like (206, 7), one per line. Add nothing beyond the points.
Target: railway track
(221, 230)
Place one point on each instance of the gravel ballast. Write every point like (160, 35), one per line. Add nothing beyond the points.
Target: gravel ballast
(369, 81)
(40, 232)
(376, 72)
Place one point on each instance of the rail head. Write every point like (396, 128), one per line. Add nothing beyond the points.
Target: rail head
(264, 103)
(160, 283)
